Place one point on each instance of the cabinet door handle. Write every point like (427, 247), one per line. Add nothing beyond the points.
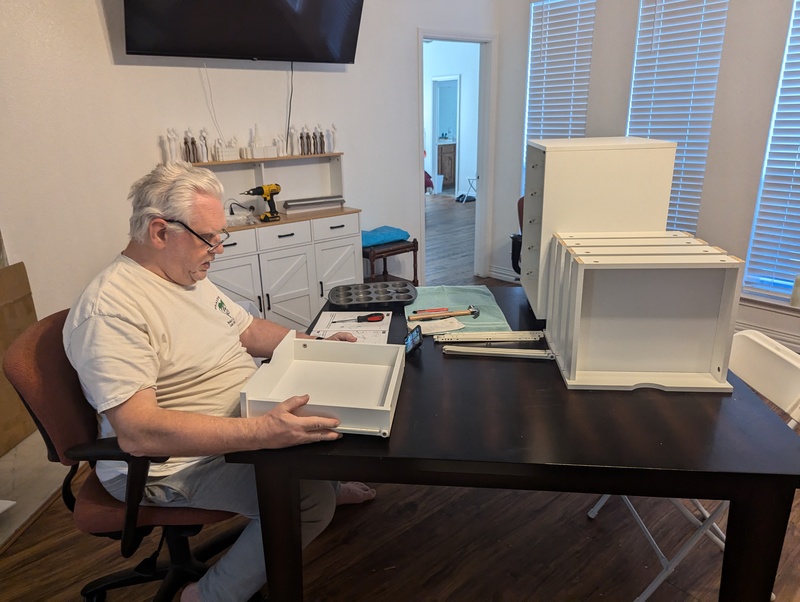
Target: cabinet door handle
(321, 290)
(230, 244)
(337, 227)
(286, 235)
(260, 305)
(269, 306)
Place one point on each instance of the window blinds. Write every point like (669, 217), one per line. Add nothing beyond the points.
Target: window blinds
(558, 68)
(774, 257)
(678, 48)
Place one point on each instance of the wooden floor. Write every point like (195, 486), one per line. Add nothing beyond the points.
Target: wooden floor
(420, 543)
(432, 543)
(450, 241)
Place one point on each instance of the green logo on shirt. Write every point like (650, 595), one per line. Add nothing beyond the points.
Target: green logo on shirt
(224, 309)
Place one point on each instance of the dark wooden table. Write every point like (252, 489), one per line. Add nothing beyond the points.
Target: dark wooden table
(511, 423)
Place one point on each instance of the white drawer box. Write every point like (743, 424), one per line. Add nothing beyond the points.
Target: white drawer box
(284, 235)
(663, 321)
(565, 247)
(334, 227)
(562, 244)
(327, 371)
(241, 242)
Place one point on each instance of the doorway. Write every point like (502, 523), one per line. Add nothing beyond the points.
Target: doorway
(444, 133)
(452, 104)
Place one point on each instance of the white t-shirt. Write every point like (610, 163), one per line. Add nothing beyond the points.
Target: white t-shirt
(131, 329)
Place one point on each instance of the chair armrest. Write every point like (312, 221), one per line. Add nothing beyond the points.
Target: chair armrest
(104, 449)
(138, 468)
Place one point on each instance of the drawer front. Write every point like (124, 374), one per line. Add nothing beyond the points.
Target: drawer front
(284, 235)
(241, 242)
(334, 227)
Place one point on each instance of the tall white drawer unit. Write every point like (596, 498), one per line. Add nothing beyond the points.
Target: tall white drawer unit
(661, 317)
(284, 270)
(591, 185)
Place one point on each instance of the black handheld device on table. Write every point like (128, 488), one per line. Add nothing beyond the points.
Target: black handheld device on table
(413, 339)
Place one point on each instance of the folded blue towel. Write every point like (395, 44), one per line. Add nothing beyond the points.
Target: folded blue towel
(382, 235)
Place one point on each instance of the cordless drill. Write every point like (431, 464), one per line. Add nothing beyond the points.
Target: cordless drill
(268, 191)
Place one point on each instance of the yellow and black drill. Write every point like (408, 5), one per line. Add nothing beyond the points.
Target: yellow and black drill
(268, 191)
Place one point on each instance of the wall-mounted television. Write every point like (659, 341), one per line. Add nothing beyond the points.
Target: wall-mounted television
(309, 31)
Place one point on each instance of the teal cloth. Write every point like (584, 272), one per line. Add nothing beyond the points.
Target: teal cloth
(382, 235)
(491, 318)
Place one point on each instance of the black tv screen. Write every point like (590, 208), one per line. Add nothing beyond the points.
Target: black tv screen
(312, 31)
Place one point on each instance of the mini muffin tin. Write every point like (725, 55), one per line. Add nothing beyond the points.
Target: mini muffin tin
(372, 295)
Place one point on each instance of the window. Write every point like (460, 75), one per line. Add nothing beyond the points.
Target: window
(678, 48)
(558, 68)
(773, 260)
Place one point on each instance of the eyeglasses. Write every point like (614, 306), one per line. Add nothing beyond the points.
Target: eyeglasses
(223, 234)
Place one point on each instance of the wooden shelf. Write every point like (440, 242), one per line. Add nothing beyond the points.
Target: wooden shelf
(268, 160)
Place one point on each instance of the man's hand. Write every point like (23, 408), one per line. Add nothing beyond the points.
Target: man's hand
(144, 429)
(342, 336)
(284, 428)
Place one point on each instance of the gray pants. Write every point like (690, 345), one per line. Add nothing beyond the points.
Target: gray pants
(215, 485)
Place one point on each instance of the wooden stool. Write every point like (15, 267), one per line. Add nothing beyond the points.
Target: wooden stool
(388, 249)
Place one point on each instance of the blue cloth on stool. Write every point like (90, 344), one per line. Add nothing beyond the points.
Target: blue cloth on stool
(382, 235)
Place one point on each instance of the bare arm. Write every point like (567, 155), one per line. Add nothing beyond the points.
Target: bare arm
(262, 336)
(144, 429)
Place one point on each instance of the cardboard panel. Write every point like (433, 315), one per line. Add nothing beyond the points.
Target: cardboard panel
(16, 314)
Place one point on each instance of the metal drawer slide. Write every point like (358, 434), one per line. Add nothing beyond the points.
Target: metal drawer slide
(493, 337)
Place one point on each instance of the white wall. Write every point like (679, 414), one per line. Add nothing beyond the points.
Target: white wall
(81, 120)
(613, 50)
(508, 115)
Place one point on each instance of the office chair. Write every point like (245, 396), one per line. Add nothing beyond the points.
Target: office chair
(38, 368)
(773, 371)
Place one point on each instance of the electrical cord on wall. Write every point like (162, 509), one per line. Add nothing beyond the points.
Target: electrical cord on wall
(289, 108)
(209, 95)
(251, 208)
(210, 101)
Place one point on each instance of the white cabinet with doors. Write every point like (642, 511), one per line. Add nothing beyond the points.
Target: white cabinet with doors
(284, 270)
(288, 274)
(337, 251)
(287, 268)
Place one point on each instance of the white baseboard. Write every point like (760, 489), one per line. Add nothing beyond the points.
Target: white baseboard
(502, 273)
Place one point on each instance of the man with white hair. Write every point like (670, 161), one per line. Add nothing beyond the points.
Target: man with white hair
(162, 354)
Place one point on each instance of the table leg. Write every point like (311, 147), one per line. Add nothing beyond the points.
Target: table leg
(279, 507)
(415, 282)
(757, 522)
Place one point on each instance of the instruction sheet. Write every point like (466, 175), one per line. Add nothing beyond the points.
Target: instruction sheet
(365, 332)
